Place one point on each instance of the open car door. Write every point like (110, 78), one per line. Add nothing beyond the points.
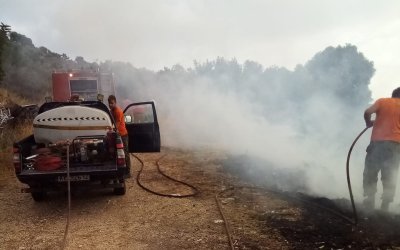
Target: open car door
(143, 129)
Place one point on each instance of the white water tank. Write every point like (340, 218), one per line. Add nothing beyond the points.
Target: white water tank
(68, 122)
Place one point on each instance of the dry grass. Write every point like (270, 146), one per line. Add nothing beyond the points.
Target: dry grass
(8, 136)
(11, 132)
(8, 97)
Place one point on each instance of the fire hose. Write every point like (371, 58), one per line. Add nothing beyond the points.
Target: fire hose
(64, 243)
(227, 229)
(195, 190)
(348, 176)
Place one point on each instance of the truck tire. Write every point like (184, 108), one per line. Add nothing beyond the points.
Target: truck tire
(38, 195)
(120, 190)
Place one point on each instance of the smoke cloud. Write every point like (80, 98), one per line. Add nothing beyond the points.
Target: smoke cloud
(303, 119)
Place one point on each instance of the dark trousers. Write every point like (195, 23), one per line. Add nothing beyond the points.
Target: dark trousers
(381, 156)
(125, 141)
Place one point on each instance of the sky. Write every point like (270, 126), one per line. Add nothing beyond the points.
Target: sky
(161, 33)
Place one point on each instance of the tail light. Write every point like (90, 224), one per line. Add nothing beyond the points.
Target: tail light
(120, 152)
(17, 160)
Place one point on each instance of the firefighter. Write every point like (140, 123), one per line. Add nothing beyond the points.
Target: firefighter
(383, 152)
(118, 115)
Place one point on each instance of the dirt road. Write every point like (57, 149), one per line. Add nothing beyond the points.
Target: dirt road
(258, 219)
(138, 220)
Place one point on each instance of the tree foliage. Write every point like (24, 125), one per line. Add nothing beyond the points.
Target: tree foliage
(336, 78)
(27, 69)
(4, 32)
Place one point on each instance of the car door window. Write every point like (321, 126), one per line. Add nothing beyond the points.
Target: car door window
(143, 128)
(139, 114)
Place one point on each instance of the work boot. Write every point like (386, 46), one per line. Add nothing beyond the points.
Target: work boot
(369, 203)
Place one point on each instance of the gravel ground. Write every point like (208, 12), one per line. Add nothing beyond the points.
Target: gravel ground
(137, 220)
(257, 218)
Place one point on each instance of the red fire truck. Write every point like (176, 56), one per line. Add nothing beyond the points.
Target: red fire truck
(83, 84)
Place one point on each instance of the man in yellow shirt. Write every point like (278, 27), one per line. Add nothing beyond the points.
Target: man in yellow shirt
(119, 119)
(383, 152)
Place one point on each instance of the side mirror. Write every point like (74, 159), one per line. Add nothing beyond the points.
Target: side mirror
(128, 119)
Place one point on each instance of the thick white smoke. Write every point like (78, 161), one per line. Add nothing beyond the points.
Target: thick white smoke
(304, 119)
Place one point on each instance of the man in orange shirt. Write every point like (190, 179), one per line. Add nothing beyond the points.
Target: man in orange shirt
(383, 152)
(119, 119)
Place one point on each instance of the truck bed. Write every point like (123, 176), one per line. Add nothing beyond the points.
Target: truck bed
(93, 171)
(79, 134)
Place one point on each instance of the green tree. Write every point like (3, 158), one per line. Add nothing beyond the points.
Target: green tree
(4, 32)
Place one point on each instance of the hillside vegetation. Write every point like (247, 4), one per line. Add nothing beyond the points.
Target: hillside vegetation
(222, 101)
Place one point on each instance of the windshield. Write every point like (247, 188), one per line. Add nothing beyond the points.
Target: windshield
(86, 89)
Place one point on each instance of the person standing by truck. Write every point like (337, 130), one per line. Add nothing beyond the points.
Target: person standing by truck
(118, 115)
(383, 152)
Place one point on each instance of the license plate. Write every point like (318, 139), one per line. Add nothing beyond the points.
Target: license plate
(74, 178)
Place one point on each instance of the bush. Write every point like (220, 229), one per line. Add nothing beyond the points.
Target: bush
(9, 135)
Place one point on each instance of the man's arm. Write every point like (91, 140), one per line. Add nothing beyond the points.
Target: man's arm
(368, 113)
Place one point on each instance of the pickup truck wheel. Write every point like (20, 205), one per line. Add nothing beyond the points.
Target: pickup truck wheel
(38, 195)
(120, 190)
